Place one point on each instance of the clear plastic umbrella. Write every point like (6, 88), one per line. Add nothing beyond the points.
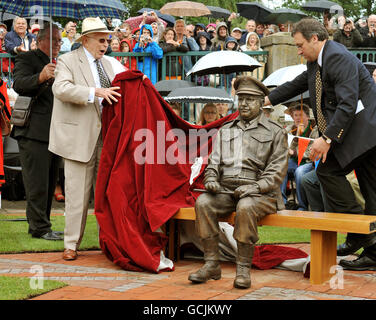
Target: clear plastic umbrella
(283, 75)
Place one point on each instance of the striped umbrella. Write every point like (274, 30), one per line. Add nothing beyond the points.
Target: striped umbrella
(76, 9)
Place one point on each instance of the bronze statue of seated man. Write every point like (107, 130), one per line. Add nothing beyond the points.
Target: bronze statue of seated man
(249, 159)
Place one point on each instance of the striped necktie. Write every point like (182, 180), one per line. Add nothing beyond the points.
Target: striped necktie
(321, 122)
(104, 81)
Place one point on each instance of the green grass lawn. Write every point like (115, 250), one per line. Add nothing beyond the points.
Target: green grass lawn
(268, 234)
(15, 239)
(17, 288)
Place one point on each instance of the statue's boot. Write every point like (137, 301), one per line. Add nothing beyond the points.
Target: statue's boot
(243, 265)
(211, 269)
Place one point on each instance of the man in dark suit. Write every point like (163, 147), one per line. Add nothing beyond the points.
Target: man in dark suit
(19, 40)
(342, 95)
(33, 77)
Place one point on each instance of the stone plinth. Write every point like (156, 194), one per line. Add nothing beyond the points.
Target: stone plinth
(282, 51)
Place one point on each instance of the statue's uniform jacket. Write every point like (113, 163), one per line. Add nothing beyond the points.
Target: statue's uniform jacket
(242, 155)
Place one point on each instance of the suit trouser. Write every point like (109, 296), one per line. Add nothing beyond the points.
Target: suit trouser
(39, 174)
(80, 178)
(249, 211)
(340, 196)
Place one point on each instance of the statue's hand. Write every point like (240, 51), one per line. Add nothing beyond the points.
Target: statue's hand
(212, 186)
(247, 190)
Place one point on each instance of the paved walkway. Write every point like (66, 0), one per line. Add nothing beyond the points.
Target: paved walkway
(93, 277)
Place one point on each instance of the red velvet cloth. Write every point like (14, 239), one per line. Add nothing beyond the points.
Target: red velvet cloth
(134, 199)
(269, 256)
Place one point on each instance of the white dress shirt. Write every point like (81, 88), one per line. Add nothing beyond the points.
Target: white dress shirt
(117, 67)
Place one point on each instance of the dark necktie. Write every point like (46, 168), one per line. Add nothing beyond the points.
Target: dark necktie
(105, 82)
(321, 122)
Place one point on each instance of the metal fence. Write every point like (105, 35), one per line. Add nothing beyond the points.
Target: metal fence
(364, 54)
(174, 65)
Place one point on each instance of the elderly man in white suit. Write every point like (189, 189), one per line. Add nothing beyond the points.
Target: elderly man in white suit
(82, 80)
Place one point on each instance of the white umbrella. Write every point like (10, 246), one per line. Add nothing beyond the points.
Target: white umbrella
(199, 95)
(223, 62)
(283, 75)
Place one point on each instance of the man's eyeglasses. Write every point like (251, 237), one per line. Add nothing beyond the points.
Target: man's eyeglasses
(101, 40)
(57, 41)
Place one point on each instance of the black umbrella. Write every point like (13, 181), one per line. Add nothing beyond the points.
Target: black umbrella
(217, 12)
(199, 95)
(164, 87)
(285, 15)
(322, 6)
(371, 66)
(170, 20)
(253, 10)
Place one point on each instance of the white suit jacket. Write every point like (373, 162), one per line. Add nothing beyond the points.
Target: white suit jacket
(76, 123)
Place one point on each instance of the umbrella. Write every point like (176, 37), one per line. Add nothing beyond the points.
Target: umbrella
(224, 62)
(166, 17)
(199, 95)
(164, 87)
(217, 12)
(322, 6)
(283, 75)
(253, 10)
(285, 15)
(134, 22)
(77, 9)
(371, 66)
(185, 9)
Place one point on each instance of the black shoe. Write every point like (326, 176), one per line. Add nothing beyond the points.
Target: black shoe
(360, 264)
(59, 233)
(50, 236)
(346, 248)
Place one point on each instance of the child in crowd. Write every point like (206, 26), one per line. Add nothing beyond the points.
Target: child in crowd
(128, 62)
(146, 44)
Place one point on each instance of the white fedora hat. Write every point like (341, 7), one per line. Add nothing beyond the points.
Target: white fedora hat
(93, 25)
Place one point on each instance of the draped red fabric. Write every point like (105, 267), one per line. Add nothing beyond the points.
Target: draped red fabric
(144, 171)
(144, 176)
(6, 112)
(269, 256)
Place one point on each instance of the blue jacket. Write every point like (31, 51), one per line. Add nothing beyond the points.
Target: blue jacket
(149, 66)
(12, 40)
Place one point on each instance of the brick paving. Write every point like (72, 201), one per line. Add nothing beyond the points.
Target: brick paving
(93, 277)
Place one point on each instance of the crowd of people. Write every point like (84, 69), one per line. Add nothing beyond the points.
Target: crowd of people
(61, 127)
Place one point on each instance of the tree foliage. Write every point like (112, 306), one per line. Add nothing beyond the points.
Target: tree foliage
(354, 9)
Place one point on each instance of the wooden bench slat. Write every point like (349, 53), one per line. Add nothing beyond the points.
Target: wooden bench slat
(324, 227)
(323, 221)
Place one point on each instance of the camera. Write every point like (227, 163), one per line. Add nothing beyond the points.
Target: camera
(149, 13)
(238, 15)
